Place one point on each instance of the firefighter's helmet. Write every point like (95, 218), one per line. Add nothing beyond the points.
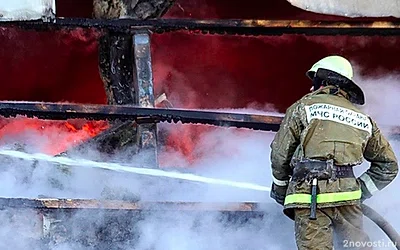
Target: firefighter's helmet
(338, 71)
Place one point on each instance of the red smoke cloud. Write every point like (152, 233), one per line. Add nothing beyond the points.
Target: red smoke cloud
(195, 71)
(198, 71)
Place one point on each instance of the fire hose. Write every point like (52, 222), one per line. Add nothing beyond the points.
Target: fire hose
(370, 213)
(382, 223)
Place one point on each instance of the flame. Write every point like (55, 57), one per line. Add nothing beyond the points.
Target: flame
(56, 136)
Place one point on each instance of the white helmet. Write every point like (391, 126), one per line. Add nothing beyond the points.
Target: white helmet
(341, 66)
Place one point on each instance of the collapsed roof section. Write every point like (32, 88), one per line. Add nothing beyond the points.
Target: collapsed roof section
(351, 8)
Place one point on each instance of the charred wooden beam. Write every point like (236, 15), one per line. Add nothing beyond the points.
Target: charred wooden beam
(49, 203)
(104, 56)
(126, 69)
(115, 48)
(222, 27)
(60, 111)
(108, 224)
(117, 67)
(121, 70)
(120, 135)
(116, 71)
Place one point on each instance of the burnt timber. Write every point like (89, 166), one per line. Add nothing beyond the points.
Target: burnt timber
(116, 67)
(125, 69)
(116, 57)
(220, 27)
(118, 45)
(141, 115)
(112, 224)
(59, 111)
(49, 203)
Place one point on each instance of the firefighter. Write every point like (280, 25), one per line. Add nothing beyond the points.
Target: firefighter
(323, 136)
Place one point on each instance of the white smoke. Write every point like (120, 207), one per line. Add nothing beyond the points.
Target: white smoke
(382, 103)
(351, 8)
(231, 154)
(22, 10)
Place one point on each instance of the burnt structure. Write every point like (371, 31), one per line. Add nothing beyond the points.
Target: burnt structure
(125, 68)
(250, 27)
(109, 224)
(140, 115)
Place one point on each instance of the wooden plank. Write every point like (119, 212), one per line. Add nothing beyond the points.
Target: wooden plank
(50, 203)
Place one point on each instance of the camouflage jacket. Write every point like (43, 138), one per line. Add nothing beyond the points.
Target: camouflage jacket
(322, 125)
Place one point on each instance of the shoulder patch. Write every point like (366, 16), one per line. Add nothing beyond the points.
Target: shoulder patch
(324, 111)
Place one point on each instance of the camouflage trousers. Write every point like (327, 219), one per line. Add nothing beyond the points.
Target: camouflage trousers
(335, 228)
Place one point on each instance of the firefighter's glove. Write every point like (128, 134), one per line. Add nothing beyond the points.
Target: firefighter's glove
(278, 193)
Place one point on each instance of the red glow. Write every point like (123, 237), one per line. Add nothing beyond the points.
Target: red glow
(60, 135)
(195, 71)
